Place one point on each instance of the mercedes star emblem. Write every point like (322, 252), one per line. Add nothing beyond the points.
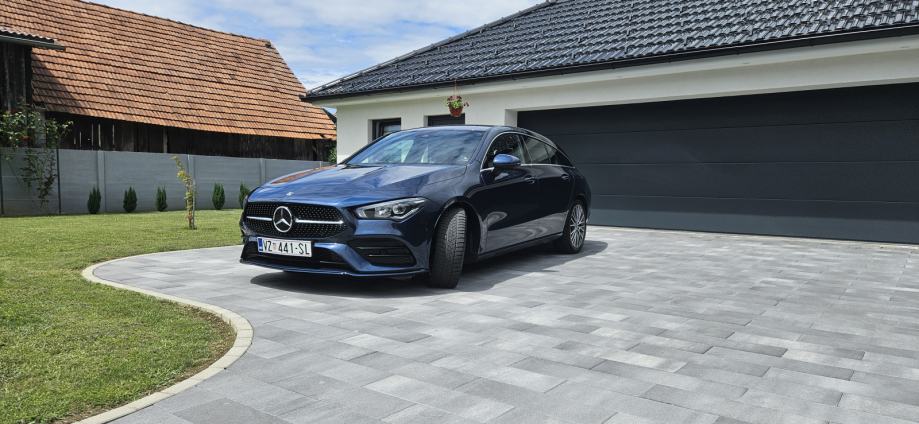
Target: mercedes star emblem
(283, 219)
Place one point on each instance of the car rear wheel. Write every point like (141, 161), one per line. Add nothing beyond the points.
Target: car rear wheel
(575, 233)
(449, 250)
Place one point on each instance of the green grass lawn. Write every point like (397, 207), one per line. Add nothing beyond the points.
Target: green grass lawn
(70, 348)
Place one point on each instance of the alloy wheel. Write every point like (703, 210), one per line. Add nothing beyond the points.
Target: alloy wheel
(577, 225)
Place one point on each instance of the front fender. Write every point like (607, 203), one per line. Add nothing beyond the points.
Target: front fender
(476, 234)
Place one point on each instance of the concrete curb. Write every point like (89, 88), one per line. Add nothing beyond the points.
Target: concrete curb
(243, 340)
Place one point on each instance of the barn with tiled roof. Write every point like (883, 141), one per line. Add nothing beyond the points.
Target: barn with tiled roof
(134, 82)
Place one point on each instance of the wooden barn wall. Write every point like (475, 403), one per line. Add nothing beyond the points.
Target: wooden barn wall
(15, 75)
(89, 133)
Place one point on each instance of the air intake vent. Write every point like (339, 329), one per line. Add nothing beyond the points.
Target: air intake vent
(383, 252)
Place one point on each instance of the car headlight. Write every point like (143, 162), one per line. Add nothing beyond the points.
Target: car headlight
(396, 210)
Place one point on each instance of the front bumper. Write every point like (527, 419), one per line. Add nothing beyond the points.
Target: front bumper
(328, 259)
(365, 248)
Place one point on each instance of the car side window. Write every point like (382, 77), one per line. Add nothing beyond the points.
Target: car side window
(508, 144)
(561, 159)
(543, 153)
(539, 152)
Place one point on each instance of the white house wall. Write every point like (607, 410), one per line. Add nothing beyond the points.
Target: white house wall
(888, 61)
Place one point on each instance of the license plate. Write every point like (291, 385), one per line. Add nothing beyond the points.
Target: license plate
(285, 247)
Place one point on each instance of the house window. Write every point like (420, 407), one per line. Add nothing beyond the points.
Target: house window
(383, 127)
(441, 120)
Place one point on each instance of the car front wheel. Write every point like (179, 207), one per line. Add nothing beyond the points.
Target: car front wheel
(575, 233)
(449, 250)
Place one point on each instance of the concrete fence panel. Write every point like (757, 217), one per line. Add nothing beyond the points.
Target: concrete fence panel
(114, 172)
(17, 199)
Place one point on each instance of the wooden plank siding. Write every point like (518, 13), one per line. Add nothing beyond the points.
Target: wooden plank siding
(15, 75)
(88, 133)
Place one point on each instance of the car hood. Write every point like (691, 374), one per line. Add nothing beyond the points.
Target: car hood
(353, 183)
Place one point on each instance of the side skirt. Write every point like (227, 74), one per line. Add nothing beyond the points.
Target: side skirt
(519, 246)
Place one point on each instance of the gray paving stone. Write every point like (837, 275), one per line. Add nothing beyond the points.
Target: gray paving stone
(156, 415)
(784, 363)
(262, 396)
(424, 414)
(521, 416)
(879, 406)
(641, 327)
(226, 411)
(725, 408)
(773, 385)
(435, 375)
(552, 405)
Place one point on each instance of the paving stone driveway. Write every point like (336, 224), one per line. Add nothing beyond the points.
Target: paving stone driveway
(643, 326)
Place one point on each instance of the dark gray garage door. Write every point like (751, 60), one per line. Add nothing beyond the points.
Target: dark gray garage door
(840, 163)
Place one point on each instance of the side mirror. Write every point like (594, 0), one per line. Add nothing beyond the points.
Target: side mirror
(506, 161)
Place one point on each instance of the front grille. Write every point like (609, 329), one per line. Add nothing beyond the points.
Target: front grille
(300, 211)
(383, 252)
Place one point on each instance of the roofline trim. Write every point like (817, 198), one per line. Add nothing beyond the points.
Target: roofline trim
(30, 42)
(430, 46)
(805, 41)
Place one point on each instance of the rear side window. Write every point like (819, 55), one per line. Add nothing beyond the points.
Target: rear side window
(542, 153)
(508, 144)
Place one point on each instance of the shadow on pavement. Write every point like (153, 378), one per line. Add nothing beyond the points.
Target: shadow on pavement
(479, 276)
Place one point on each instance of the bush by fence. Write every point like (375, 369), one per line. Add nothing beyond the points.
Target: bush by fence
(219, 197)
(161, 204)
(130, 200)
(95, 201)
(243, 194)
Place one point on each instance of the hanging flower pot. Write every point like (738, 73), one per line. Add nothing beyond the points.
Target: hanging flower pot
(456, 104)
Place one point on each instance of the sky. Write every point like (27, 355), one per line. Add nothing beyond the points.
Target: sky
(323, 40)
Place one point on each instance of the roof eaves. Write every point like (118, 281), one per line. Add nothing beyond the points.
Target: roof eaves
(9, 35)
(428, 48)
(823, 39)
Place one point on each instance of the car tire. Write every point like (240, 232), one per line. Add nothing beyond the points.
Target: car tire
(575, 233)
(448, 251)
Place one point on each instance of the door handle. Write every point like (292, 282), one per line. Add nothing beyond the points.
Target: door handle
(566, 177)
(529, 179)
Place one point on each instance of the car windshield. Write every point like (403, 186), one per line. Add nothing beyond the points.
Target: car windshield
(424, 147)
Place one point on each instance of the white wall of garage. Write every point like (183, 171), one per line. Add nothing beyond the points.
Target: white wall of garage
(872, 62)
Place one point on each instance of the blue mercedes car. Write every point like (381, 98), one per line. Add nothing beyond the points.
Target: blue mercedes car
(420, 203)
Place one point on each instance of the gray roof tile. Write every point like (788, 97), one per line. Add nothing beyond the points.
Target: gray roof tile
(566, 33)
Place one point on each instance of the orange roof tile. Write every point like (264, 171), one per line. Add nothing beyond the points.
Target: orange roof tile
(135, 67)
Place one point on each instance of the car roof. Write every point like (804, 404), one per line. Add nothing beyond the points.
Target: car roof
(454, 127)
(493, 128)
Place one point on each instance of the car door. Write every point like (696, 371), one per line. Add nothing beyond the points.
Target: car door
(507, 199)
(555, 182)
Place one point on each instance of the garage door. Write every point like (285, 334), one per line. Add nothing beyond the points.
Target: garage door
(840, 163)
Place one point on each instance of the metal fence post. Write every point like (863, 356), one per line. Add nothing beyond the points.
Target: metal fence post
(57, 159)
(100, 178)
(190, 160)
(2, 210)
(262, 172)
